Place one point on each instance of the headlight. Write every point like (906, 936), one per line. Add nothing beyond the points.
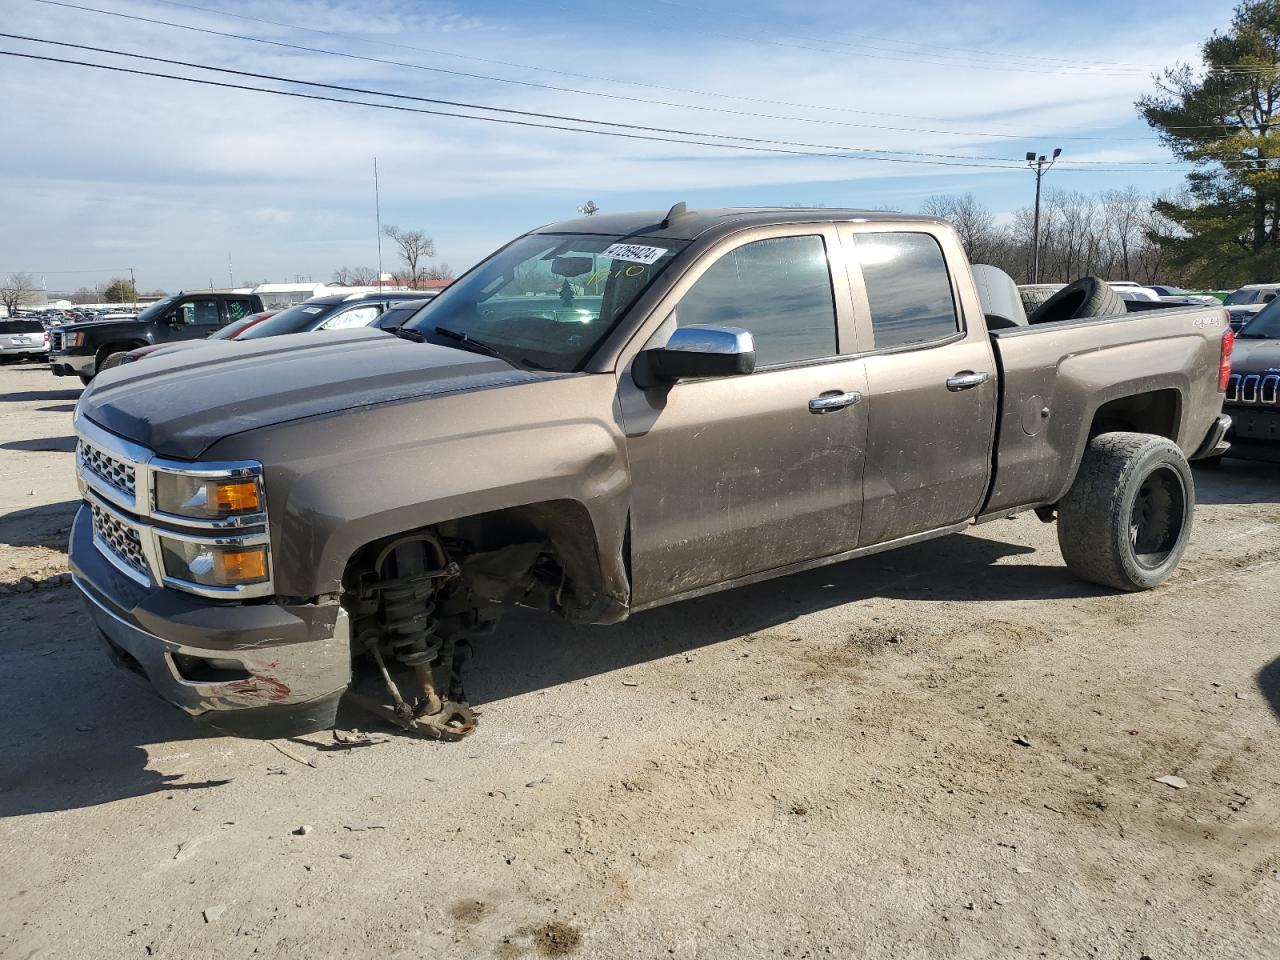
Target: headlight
(214, 565)
(235, 493)
(75, 339)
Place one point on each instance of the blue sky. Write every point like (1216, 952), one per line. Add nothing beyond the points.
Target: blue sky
(101, 171)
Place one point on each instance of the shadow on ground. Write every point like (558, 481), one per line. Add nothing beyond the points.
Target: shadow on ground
(42, 445)
(529, 652)
(75, 727)
(1239, 481)
(34, 395)
(1269, 684)
(43, 526)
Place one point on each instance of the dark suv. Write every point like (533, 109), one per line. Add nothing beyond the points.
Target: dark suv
(81, 349)
(1253, 393)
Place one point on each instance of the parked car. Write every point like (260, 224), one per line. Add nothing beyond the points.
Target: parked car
(608, 415)
(1253, 392)
(229, 332)
(331, 312)
(22, 340)
(82, 349)
(1245, 303)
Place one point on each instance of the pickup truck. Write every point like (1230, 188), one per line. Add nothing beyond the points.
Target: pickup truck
(604, 416)
(83, 349)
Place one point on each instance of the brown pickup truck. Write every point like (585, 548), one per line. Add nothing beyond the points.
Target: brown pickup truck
(604, 416)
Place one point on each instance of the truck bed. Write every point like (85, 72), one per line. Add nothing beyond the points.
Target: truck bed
(1062, 381)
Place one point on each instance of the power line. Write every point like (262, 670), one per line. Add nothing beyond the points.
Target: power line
(776, 150)
(343, 88)
(560, 89)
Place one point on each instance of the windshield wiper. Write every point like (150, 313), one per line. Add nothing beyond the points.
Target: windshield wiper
(406, 334)
(475, 346)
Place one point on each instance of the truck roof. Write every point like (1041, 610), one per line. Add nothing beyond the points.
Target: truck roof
(689, 224)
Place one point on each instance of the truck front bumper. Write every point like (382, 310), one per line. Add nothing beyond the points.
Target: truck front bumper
(72, 365)
(251, 670)
(1255, 432)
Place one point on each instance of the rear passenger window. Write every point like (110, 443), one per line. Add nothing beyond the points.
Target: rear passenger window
(908, 286)
(779, 289)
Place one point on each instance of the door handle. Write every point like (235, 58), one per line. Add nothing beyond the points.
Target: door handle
(833, 401)
(966, 381)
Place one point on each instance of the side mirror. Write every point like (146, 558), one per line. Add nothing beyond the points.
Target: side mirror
(696, 352)
(571, 266)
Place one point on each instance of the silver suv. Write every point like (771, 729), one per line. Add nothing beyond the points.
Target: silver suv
(23, 340)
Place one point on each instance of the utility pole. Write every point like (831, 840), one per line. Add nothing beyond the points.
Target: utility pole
(1040, 165)
(133, 285)
(231, 283)
(377, 220)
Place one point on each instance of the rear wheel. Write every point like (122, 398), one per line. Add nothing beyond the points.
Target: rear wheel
(1126, 520)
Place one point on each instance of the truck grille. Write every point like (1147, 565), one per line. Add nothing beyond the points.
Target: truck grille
(119, 538)
(107, 468)
(55, 341)
(1254, 389)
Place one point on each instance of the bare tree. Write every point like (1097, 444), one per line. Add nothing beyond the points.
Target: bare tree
(16, 291)
(589, 209)
(439, 272)
(980, 235)
(355, 276)
(415, 247)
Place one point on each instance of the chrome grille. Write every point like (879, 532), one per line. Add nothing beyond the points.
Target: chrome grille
(107, 468)
(1254, 389)
(55, 340)
(120, 538)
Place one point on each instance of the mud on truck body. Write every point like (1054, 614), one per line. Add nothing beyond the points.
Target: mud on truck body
(608, 415)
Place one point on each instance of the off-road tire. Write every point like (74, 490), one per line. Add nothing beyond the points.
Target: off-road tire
(1126, 520)
(1087, 297)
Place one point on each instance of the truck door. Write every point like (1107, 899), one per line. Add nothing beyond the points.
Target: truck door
(194, 318)
(931, 383)
(737, 475)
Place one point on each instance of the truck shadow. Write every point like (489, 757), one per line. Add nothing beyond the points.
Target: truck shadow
(44, 526)
(35, 395)
(43, 445)
(1269, 685)
(529, 652)
(76, 729)
(1239, 481)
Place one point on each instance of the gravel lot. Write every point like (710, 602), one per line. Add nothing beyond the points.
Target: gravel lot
(951, 750)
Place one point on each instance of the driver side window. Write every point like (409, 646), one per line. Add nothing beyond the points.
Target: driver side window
(196, 312)
(779, 289)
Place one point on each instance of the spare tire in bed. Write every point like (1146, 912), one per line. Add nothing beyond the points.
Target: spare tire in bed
(1035, 294)
(1087, 297)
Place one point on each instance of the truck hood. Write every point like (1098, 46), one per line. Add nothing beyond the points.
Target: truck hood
(1255, 356)
(178, 404)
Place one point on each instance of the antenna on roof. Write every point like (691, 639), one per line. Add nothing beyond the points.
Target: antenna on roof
(677, 210)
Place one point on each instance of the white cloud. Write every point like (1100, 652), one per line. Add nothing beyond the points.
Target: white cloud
(175, 175)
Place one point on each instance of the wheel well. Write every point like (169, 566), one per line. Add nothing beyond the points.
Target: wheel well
(1157, 412)
(107, 349)
(539, 554)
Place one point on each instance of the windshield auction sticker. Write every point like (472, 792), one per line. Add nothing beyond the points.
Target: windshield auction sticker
(634, 253)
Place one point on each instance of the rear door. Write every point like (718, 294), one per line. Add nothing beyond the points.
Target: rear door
(736, 475)
(931, 382)
(235, 308)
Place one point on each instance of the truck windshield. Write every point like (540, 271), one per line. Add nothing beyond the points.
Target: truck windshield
(157, 308)
(1265, 326)
(547, 300)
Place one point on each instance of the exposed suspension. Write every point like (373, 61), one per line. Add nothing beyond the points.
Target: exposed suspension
(397, 611)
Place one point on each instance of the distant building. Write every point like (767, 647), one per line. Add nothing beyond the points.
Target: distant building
(277, 296)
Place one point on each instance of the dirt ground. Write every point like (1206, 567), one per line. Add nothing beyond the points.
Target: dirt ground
(948, 751)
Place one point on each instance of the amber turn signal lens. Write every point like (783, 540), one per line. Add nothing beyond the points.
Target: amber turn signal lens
(237, 496)
(248, 565)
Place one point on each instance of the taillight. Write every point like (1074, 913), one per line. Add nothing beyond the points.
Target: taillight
(1224, 363)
